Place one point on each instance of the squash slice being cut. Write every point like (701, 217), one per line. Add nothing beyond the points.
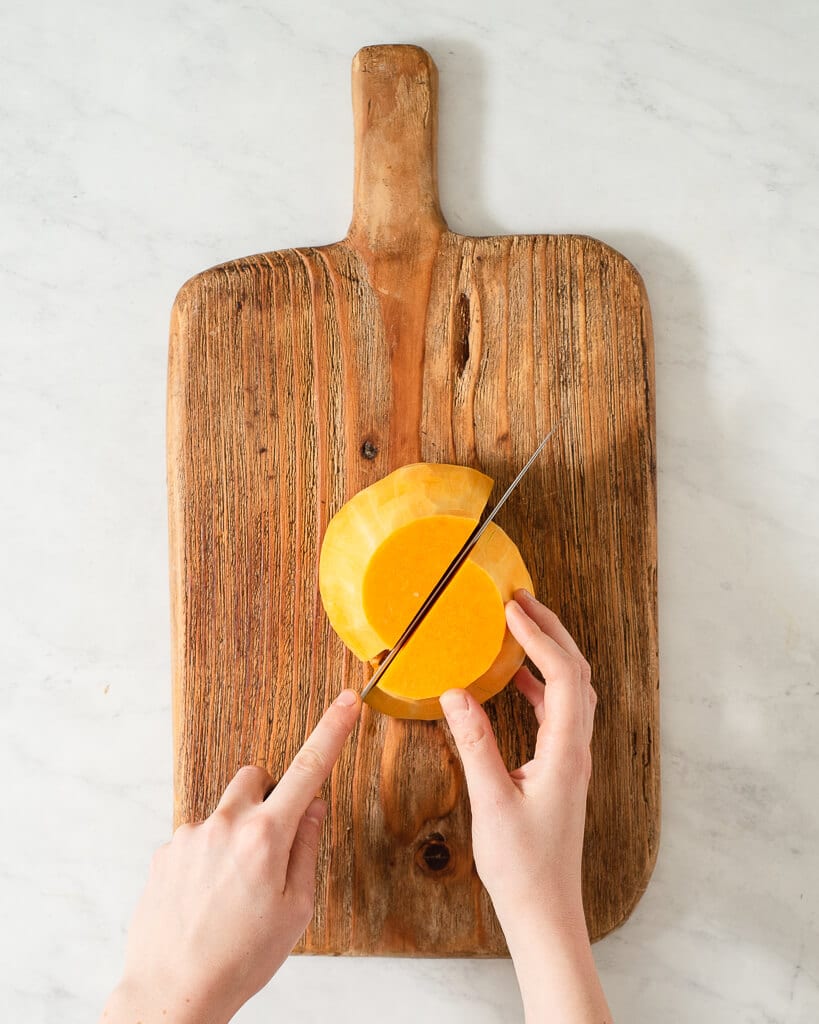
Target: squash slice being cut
(382, 554)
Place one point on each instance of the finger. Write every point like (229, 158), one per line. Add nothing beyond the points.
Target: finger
(312, 765)
(301, 871)
(548, 621)
(552, 660)
(532, 689)
(486, 776)
(248, 787)
(564, 698)
(550, 624)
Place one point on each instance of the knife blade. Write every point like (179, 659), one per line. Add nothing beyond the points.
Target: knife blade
(451, 569)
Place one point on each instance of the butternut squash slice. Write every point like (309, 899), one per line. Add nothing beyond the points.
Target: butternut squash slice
(383, 552)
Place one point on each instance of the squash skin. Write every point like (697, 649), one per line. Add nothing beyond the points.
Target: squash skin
(359, 527)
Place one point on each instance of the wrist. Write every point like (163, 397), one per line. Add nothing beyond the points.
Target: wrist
(532, 914)
(535, 932)
(533, 929)
(149, 1003)
(553, 961)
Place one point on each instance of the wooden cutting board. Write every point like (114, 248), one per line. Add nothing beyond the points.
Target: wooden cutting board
(298, 377)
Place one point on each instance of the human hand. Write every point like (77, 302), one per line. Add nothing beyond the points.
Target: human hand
(527, 825)
(229, 897)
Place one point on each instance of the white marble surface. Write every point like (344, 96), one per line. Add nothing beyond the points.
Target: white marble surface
(144, 142)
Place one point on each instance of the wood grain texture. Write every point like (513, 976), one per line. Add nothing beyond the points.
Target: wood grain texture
(297, 378)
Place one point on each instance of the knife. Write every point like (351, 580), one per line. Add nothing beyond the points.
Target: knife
(451, 569)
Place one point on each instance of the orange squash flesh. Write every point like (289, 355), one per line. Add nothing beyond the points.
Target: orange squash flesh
(383, 552)
(467, 621)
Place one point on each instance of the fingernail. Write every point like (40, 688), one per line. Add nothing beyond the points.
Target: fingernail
(528, 595)
(346, 698)
(317, 812)
(515, 610)
(454, 703)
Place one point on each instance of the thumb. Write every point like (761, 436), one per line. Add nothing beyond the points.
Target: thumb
(301, 871)
(486, 776)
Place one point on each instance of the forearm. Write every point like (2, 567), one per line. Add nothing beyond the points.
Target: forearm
(135, 1003)
(556, 970)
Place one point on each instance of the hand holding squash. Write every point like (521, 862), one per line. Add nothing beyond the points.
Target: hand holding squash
(527, 825)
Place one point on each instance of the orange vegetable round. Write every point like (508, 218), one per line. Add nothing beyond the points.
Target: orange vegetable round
(383, 552)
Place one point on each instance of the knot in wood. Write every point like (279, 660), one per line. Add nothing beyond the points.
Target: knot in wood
(433, 854)
(368, 450)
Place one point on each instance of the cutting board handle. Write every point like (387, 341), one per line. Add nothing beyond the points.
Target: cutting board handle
(395, 110)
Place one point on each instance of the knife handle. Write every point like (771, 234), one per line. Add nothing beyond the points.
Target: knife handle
(395, 113)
